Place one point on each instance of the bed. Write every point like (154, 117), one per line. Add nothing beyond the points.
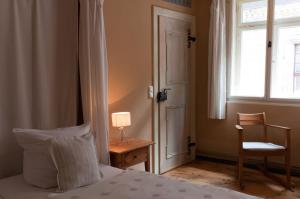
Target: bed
(117, 184)
(16, 188)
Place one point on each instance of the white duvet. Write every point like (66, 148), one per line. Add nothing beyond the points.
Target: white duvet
(16, 188)
(141, 185)
(118, 184)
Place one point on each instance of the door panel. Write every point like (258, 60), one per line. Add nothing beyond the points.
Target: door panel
(176, 59)
(175, 132)
(174, 75)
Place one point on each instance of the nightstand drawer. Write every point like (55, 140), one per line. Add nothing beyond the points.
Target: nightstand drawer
(137, 156)
(131, 152)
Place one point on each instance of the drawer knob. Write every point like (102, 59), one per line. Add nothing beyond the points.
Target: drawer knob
(134, 156)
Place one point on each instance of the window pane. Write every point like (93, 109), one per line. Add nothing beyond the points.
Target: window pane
(297, 84)
(248, 76)
(286, 65)
(254, 11)
(287, 9)
(297, 58)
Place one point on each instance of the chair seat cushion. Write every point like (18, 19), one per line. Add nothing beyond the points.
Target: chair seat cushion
(261, 146)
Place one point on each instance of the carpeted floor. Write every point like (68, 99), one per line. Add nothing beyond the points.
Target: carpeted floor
(223, 175)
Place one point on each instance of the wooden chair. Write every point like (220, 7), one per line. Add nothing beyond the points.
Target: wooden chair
(262, 149)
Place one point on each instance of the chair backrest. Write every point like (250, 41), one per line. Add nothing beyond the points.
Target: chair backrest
(251, 119)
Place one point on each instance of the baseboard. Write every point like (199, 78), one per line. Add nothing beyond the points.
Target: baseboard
(250, 163)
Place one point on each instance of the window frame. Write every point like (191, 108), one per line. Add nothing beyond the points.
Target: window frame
(271, 25)
(296, 74)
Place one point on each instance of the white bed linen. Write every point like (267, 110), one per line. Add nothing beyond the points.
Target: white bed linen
(140, 185)
(16, 188)
(118, 184)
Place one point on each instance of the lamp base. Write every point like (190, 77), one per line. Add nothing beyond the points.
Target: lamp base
(123, 135)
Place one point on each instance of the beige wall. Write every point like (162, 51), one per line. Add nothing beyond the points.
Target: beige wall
(129, 35)
(219, 138)
(129, 40)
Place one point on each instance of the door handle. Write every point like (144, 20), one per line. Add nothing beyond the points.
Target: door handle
(163, 95)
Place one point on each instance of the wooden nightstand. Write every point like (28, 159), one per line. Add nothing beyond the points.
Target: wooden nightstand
(130, 152)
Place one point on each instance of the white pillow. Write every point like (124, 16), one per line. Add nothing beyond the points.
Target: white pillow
(38, 166)
(76, 161)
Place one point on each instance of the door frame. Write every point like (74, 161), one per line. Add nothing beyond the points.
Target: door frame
(157, 12)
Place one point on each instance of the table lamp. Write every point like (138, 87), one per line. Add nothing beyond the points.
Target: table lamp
(121, 120)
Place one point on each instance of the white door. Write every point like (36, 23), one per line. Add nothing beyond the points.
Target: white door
(175, 80)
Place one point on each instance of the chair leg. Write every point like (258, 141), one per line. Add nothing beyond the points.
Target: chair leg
(240, 171)
(237, 170)
(266, 163)
(288, 170)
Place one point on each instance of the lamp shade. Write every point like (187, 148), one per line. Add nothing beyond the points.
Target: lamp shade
(121, 119)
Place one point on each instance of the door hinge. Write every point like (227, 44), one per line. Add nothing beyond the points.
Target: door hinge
(166, 152)
(269, 44)
(190, 144)
(191, 39)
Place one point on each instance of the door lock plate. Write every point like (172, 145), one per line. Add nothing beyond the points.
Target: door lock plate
(162, 95)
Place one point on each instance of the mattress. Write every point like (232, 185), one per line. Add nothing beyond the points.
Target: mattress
(16, 188)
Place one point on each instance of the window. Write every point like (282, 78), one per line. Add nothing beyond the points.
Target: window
(297, 69)
(186, 3)
(267, 50)
(248, 78)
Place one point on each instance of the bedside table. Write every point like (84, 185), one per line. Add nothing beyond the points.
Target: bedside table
(130, 152)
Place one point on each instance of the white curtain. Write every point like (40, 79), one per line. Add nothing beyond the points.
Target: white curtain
(38, 70)
(217, 61)
(94, 72)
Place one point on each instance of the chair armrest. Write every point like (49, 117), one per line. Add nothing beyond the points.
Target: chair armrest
(240, 136)
(239, 128)
(278, 127)
(288, 134)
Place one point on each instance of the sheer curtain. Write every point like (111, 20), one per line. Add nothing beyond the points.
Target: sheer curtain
(94, 72)
(217, 61)
(38, 70)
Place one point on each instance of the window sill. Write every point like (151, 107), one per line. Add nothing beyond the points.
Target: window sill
(262, 101)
